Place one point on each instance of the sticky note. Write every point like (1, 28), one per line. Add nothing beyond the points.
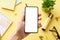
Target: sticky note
(4, 23)
(8, 4)
(18, 1)
(31, 19)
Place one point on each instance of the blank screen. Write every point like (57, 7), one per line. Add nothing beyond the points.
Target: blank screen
(31, 19)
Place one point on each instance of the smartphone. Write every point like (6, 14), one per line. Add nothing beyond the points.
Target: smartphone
(31, 19)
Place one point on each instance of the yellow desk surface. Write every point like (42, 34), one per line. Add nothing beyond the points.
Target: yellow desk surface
(16, 15)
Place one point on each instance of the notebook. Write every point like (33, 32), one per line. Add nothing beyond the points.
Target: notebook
(4, 23)
(8, 4)
(18, 1)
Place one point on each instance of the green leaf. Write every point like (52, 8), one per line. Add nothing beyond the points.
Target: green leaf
(48, 4)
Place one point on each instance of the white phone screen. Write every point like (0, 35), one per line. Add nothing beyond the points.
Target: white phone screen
(31, 19)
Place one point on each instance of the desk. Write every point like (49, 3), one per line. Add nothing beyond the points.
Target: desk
(18, 12)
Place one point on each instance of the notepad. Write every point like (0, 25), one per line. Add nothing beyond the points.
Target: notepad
(31, 19)
(8, 4)
(0, 37)
(4, 23)
(18, 1)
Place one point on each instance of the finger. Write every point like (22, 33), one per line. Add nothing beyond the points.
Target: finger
(39, 19)
(39, 15)
(23, 19)
(39, 25)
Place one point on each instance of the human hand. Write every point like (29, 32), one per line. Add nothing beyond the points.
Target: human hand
(20, 31)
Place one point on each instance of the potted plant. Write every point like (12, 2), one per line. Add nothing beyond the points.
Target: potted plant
(48, 5)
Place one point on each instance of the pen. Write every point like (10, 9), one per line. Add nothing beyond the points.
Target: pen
(50, 16)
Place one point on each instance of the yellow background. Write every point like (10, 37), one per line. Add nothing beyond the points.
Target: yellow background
(17, 13)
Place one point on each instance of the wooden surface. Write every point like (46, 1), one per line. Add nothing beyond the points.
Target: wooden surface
(16, 15)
